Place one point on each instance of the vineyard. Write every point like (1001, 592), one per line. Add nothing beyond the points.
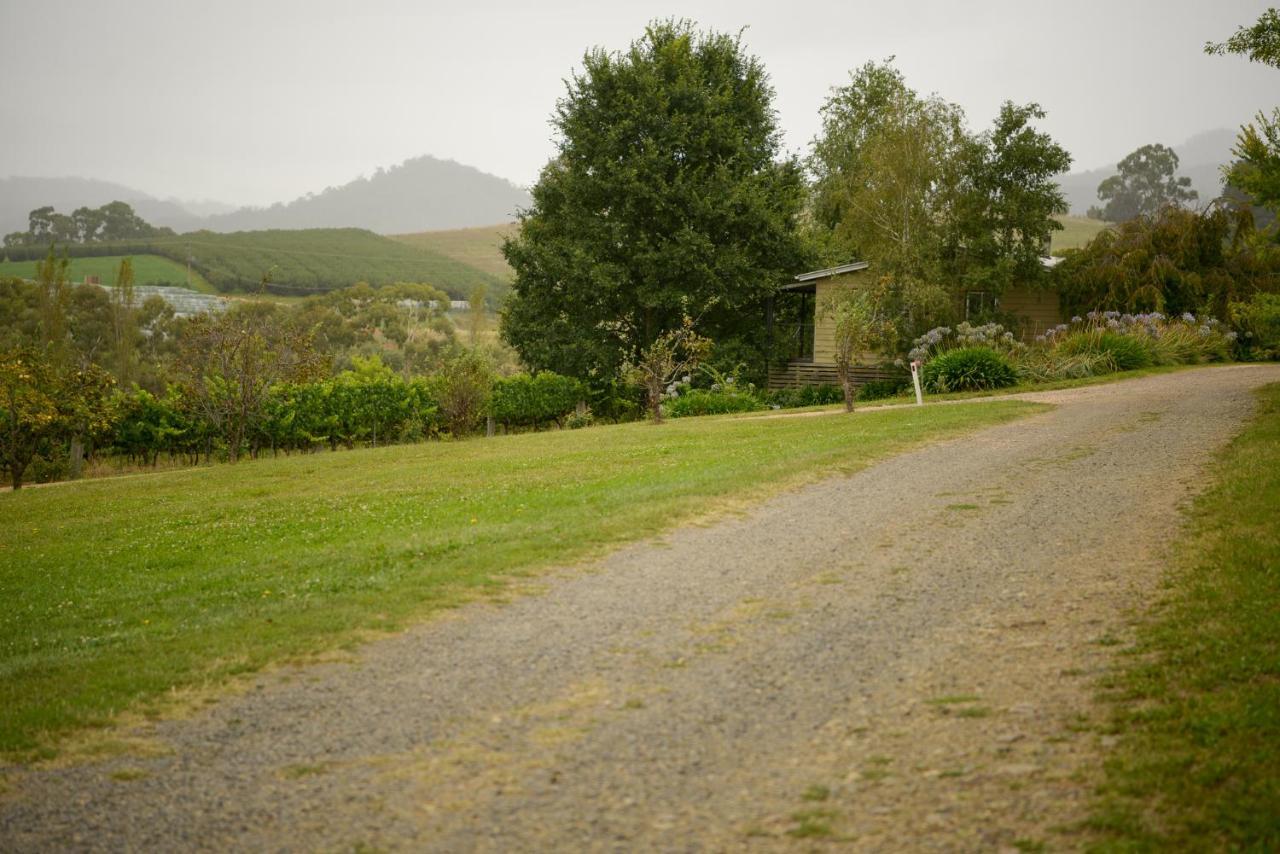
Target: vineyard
(290, 263)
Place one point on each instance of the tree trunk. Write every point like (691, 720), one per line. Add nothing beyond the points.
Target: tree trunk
(75, 465)
(846, 385)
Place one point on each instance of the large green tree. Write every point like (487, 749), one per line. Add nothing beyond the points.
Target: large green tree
(1005, 216)
(888, 174)
(1145, 181)
(667, 197)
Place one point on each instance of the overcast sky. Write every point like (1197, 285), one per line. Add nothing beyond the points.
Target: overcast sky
(256, 102)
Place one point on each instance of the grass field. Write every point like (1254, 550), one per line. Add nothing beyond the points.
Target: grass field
(122, 591)
(1198, 711)
(476, 247)
(147, 270)
(1078, 231)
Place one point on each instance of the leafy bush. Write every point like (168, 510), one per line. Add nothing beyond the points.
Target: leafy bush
(1138, 340)
(578, 419)
(462, 389)
(969, 369)
(706, 402)
(533, 401)
(808, 395)
(1257, 324)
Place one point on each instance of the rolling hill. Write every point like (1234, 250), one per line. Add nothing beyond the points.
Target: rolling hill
(299, 262)
(480, 248)
(19, 196)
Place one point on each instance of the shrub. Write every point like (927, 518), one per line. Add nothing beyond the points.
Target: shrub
(1128, 352)
(1257, 325)
(880, 389)
(808, 395)
(969, 369)
(462, 391)
(533, 401)
(706, 402)
(1047, 365)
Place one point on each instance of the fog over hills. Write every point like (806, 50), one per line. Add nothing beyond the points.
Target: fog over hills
(19, 196)
(1200, 158)
(422, 194)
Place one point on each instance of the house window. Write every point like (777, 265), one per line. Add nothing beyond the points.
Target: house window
(979, 305)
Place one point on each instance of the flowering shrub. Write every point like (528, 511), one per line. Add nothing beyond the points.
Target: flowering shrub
(1165, 341)
(993, 336)
(1258, 324)
(969, 369)
(725, 394)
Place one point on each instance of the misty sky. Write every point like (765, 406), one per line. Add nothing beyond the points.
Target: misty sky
(257, 102)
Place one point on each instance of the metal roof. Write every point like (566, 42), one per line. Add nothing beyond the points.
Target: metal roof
(851, 267)
(804, 281)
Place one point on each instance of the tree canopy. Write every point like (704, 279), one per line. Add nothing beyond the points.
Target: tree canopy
(1260, 42)
(1146, 180)
(667, 197)
(900, 181)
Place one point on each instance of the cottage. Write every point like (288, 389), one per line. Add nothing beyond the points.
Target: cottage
(807, 349)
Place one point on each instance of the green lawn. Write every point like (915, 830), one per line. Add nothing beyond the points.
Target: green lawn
(118, 590)
(1198, 712)
(147, 270)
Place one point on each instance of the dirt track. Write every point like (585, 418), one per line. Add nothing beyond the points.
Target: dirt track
(901, 659)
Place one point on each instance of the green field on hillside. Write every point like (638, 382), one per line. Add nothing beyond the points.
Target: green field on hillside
(299, 262)
(123, 590)
(480, 248)
(1078, 231)
(147, 270)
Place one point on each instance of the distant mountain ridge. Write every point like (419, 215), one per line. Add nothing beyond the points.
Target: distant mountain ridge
(421, 194)
(1200, 158)
(19, 196)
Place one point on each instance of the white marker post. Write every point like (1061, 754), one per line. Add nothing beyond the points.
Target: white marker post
(915, 379)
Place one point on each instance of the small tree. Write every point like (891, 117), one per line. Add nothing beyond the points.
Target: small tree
(859, 326)
(674, 354)
(230, 362)
(28, 409)
(124, 322)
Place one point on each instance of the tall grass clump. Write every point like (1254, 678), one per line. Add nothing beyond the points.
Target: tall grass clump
(969, 369)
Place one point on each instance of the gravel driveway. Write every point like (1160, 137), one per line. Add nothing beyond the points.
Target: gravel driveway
(903, 658)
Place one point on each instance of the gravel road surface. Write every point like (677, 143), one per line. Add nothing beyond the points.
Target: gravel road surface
(900, 659)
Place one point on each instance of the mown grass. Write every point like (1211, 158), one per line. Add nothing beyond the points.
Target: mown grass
(117, 591)
(147, 270)
(1197, 767)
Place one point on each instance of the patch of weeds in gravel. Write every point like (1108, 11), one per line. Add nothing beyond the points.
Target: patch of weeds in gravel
(633, 704)
(963, 507)
(953, 699)
(973, 712)
(812, 824)
(816, 792)
(1030, 846)
(297, 772)
(126, 775)
(1197, 714)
